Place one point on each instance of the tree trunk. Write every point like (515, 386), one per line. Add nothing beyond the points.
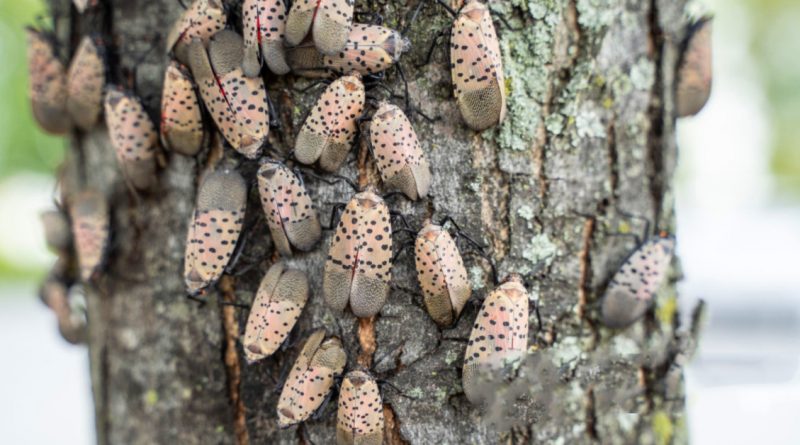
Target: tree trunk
(588, 141)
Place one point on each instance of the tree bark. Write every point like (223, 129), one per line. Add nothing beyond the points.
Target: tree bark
(588, 141)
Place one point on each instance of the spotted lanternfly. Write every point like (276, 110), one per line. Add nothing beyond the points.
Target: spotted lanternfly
(499, 336)
(330, 128)
(86, 80)
(201, 20)
(331, 21)
(441, 274)
(48, 83)
(57, 232)
(694, 72)
(263, 25)
(359, 264)
(90, 220)
(631, 290)
(311, 378)
(72, 325)
(181, 119)
(237, 103)
(476, 66)
(279, 300)
(370, 49)
(291, 216)
(133, 136)
(400, 159)
(360, 414)
(215, 227)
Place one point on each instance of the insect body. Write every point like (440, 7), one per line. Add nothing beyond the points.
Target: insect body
(237, 103)
(215, 228)
(311, 378)
(181, 120)
(359, 264)
(360, 414)
(441, 274)
(400, 159)
(329, 20)
(630, 292)
(330, 128)
(694, 72)
(291, 217)
(48, 84)
(370, 49)
(90, 220)
(57, 232)
(133, 136)
(86, 80)
(499, 336)
(200, 21)
(264, 24)
(476, 66)
(279, 301)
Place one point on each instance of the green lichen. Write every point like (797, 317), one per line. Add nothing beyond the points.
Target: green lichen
(151, 397)
(662, 427)
(665, 313)
(527, 55)
(554, 124)
(597, 14)
(415, 393)
(643, 74)
(525, 212)
(450, 357)
(540, 249)
(476, 277)
(625, 347)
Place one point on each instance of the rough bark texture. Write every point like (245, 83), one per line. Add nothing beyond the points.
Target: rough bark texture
(589, 140)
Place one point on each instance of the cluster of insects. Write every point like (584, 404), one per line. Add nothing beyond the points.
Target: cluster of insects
(215, 71)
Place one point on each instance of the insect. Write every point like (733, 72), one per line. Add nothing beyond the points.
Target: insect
(57, 232)
(48, 83)
(400, 159)
(311, 378)
(330, 128)
(499, 336)
(291, 217)
(476, 67)
(360, 413)
(181, 119)
(359, 263)
(201, 20)
(238, 104)
(630, 292)
(279, 301)
(330, 22)
(86, 80)
(263, 26)
(90, 220)
(133, 136)
(328, 132)
(215, 228)
(71, 323)
(370, 49)
(694, 72)
(441, 274)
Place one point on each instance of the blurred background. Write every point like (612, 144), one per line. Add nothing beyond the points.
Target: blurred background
(738, 230)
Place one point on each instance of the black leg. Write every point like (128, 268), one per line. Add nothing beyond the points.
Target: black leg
(429, 54)
(334, 210)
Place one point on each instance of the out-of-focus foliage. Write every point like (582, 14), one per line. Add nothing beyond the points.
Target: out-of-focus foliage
(23, 146)
(775, 46)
